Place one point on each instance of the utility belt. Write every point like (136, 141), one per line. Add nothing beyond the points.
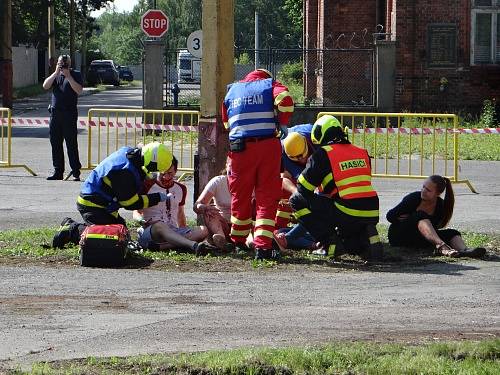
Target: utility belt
(239, 145)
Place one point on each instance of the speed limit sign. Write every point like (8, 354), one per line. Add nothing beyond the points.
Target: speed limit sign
(194, 43)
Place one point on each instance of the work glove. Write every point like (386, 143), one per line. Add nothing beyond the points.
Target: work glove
(283, 132)
(164, 196)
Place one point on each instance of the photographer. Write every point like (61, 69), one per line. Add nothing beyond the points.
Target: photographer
(66, 85)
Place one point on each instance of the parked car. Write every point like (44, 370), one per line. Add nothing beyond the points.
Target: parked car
(125, 73)
(104, 72)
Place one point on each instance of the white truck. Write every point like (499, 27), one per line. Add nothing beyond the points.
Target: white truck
(188, 67)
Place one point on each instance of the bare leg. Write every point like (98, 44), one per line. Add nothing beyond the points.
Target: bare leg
(197, 233)
(427, 230)
(161, 232)
(458, 243)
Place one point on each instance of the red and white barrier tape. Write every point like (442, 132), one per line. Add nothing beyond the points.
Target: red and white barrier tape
(82, 121)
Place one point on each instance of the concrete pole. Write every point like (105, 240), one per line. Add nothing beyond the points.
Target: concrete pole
(256, 33)
(217, 73)
(52, 37)
(6, 53)
(72, 31)
(153, 74)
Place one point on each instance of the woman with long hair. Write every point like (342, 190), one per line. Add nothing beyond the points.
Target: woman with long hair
(418, 220)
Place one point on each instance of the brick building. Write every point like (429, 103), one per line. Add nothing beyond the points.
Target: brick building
(447, 52)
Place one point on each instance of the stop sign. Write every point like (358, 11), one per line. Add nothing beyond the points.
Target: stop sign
(154, 23)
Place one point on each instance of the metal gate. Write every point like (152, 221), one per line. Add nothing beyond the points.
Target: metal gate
(315, 77)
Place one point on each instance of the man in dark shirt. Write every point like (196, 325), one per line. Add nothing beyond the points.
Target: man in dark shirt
(66, 85)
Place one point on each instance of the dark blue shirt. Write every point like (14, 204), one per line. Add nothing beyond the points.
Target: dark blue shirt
(64, 98)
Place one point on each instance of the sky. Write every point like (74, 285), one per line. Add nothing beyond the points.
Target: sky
(121, 6)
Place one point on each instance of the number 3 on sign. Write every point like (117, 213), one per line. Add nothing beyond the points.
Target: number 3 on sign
(195, 43)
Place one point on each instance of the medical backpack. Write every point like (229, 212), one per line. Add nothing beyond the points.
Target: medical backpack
(104, 245)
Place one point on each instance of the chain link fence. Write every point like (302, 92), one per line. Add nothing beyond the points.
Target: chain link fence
(320, 78)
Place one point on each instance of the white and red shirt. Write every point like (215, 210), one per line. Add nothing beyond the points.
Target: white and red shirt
(167, 211)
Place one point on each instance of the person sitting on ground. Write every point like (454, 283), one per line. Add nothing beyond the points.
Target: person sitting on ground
(164, 225)
(417, 221)
(217, 216)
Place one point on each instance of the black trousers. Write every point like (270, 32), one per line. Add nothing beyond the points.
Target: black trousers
(62, 127)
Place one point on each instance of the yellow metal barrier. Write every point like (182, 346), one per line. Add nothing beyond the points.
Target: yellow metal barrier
(112, 128)
(6, 142)
(399, 140)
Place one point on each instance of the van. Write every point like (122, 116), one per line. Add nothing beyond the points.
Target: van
(188, 67)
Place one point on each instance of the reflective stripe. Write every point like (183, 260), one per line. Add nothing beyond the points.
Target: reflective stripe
(114, 213)
(327, 179)
(63, 227)
(374, 239)
(107, 181)
(235, 220)
(87, 203)
(269, 222)
(359, 213)
(130, 201)
(251, 115)
(285, 109)
(242, 233)
(102, 236)
(302, 212)
(264, 233)
(302, 180)
(352, 180)
(282, 95)
(284, 214)
(254, 126)
(327, 148)
(331, 249)
(355, 190)
(145, 199)
(226, 125)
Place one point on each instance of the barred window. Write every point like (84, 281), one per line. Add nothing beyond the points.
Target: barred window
(485, 38)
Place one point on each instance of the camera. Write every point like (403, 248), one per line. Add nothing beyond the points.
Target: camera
(65, 64)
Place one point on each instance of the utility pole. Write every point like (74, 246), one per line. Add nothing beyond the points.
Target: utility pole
(6, 52)
(256, 36)
(52, 37)
(72, 31)
(217, 73)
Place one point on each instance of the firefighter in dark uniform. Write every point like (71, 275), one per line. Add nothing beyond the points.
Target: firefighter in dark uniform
(335, 199)
(115, 183)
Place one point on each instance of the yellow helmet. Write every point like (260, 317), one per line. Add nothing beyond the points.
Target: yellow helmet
(157, 157)
(326, 129)
(295, 146)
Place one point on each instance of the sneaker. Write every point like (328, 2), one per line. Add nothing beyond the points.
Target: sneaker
(280, 240)
(63, 234)
(320, 252)
(477, 252)
(76, 175)
(241, 248)
(203, 248)
(270, 254)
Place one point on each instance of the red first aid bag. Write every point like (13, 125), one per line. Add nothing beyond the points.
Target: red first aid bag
(104, 245)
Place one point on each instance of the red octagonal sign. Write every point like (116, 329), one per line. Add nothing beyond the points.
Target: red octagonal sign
(154, 23)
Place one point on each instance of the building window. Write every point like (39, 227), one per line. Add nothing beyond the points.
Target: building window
(485, 32)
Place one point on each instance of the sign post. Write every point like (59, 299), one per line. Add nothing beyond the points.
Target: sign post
(154, 23)
(195, 43)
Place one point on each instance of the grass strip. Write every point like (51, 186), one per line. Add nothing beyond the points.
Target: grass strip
(33, 246)
(463, 357)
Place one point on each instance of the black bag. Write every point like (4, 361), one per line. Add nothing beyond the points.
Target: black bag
(104, 245)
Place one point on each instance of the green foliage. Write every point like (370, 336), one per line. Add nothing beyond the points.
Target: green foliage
(28, 91)
(243, 59)
(292, 72)
(464, 357)
(487, 118)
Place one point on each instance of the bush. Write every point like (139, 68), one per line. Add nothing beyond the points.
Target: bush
(487, 118)
(292, 72)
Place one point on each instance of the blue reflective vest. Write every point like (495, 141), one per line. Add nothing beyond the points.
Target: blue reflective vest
(289, 165)
(250, 109)
(94, 183)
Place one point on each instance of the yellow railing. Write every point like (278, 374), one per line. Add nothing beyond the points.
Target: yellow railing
(399, 140)
(6, 142)
(112, 128)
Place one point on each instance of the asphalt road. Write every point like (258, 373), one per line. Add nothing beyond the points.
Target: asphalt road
(56, 312)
